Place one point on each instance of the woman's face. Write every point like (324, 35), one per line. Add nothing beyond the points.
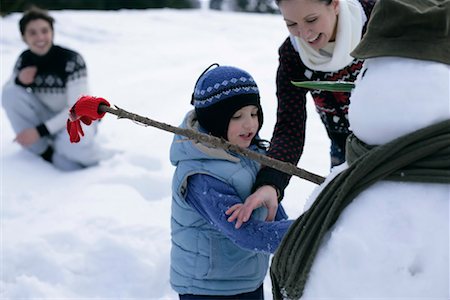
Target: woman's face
(313, 21)
(38, 36)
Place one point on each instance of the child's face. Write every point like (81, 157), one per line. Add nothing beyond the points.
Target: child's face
(243, 126)
(38, 36)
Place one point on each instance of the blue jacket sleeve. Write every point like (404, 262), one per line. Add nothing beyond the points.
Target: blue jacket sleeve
(211, 198)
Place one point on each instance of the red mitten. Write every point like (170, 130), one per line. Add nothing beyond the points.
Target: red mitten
(86, 110)
(74, 130)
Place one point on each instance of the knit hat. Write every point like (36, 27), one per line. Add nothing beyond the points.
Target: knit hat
(219, 93)
(416, 29)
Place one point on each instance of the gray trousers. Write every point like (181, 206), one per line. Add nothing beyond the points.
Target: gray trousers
(25, 110)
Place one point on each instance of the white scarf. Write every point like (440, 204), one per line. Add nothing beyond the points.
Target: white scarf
(351, 19)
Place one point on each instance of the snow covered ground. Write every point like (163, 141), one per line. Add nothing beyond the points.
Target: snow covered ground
(104, 232)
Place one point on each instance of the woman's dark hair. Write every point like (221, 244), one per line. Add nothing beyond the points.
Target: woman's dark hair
(34, 13)
(327, 2)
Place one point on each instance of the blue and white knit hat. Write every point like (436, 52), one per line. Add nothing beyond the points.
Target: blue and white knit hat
(219, 93)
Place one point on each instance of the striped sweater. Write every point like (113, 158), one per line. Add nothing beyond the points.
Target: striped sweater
(60, 80)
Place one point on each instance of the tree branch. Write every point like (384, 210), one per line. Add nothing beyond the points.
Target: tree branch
(284, 167)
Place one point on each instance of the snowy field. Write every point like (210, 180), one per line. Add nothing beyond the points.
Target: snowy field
(104, 232)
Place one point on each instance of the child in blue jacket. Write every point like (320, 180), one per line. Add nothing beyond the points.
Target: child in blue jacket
(210, 259)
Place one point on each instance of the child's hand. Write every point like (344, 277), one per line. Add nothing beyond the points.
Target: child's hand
(265, 196)
(27, 74)
(234, 212)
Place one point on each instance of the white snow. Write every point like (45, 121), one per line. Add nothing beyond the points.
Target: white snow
(104, 232)
(397, 96)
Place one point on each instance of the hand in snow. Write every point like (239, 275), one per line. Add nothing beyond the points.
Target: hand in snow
(86, 111)
(27, 137)
(265, 196)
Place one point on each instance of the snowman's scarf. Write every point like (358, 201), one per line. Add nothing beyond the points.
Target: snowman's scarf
(422, 156)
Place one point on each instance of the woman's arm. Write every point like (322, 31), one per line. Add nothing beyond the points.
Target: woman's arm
(289, 132)
(288, 136)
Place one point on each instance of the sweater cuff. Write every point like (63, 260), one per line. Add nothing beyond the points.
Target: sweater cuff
(275, 178)
(42, 129)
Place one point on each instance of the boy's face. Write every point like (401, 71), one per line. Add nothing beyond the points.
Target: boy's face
(243, 126)
(38, 36)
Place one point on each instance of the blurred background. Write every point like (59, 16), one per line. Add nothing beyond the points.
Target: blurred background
(257, 6)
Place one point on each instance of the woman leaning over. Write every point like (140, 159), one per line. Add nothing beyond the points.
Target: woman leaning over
(322, 33)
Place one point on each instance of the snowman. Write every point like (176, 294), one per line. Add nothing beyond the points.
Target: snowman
(378, 228)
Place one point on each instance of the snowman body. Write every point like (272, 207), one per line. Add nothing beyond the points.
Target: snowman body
(393, 240)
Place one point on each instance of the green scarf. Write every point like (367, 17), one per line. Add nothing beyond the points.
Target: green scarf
(422, 156)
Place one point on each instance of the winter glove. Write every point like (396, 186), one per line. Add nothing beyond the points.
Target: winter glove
(74, 130)
(86, 111)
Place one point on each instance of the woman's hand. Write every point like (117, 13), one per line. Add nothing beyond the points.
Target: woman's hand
(27, 137)
(27, 74)
(264, 196)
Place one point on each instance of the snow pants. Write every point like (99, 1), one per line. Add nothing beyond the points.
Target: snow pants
(25, 110)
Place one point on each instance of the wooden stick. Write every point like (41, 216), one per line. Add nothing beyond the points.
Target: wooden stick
(282, 166)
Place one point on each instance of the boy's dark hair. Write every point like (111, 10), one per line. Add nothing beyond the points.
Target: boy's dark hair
(34, 13)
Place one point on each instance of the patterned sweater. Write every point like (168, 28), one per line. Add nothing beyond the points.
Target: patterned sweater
(289, 132)
(61, 78)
